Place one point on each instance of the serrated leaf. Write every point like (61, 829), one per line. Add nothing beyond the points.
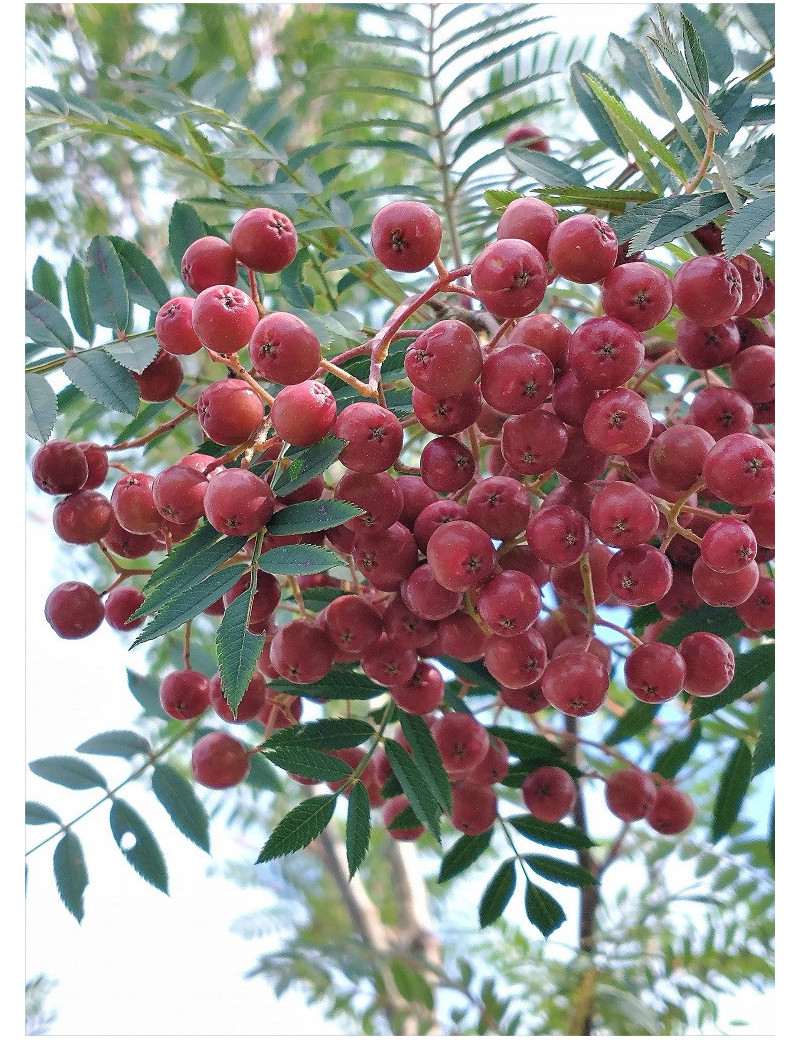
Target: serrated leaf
(78, 301)
(298, 559)
(560, 871)
(632, 131)
(134, 354)
(338, 684)
(638, 717)
(357, 832)
(46, 282)
(238, 650)
(542, 910)
(307, 464)
(144, 854)
(307, 517)
(145, 285)
(68, 771)
(749, 226)
(193, 559)
(497, 894)
(720, 621)
(716, 49)
(41, 407)
(751, 669)
(104, 380)
(184, 808)
(559, 835)
(299, 828)
(671, 760)
(695, 58)
(37, 814)
(733, 786)
(611, 200)
(526, 745)
(121, 743)
(427, 758)
(189, 603)
(105, 285)
(49, 98)
(72, 877)
(45, 324)
(764, 752)
(638, 78)
(663, 220)
(466, 851)
(323, 735)
(185, 227)
(305, 762)
(415, 787)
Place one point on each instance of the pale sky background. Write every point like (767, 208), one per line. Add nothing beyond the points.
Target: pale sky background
(143, 964)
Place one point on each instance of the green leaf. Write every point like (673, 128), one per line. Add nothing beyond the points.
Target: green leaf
(497, 894)
(121, 743)
(638, 1017)
(466, 851)
(415, 787)
(764, 753)
(45, 324)
(322, 735)
(37, 814)
(593, 110)
(313, 765)
(190, 562)
(559, 835)
(636, 718)
(185, 227)
(473, 672)
(41, 407)
(498, 200)
(145, 285)
(749, 226)
(695, 58)
(183, 807)
(545, 169)
(410, 983)
(78, 300)
(542, 910)
(358, 827)
(298, 559)
(145, 691)
(751, 669)
(137, 844)
(262, 776)
(68, 772)
(427, 758)
(560, 871)
(237, 649)
(72, 877)
(733, 786)
(190, 603)
(307, 464)
(715, 46)
(671, 760)
(720, 621)
(134, 354)
(46, 282)
(338, 684)
(611, 200)
(299, 828)
(104, 380)
(306, 517)
(105, 285)
(526, 745)
(632, 131)
(49, 98)
(663, 220)
(204, 148)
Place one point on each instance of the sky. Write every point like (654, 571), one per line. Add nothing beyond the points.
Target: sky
(143, 964)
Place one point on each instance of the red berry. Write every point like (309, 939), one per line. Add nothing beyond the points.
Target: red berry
(59, 468)
(73, 610)
(284, 349)
(583, 248)
(219, 761)
(264, 239)
(530, 137)
(304, 413)
(173, 326)
(549, 793)
(224, 318)
(671, 812)
(120, 604)
(630, 794)
(208, 261)
(509, 277)
(184, 694)
(707, 289)
(406, 236)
